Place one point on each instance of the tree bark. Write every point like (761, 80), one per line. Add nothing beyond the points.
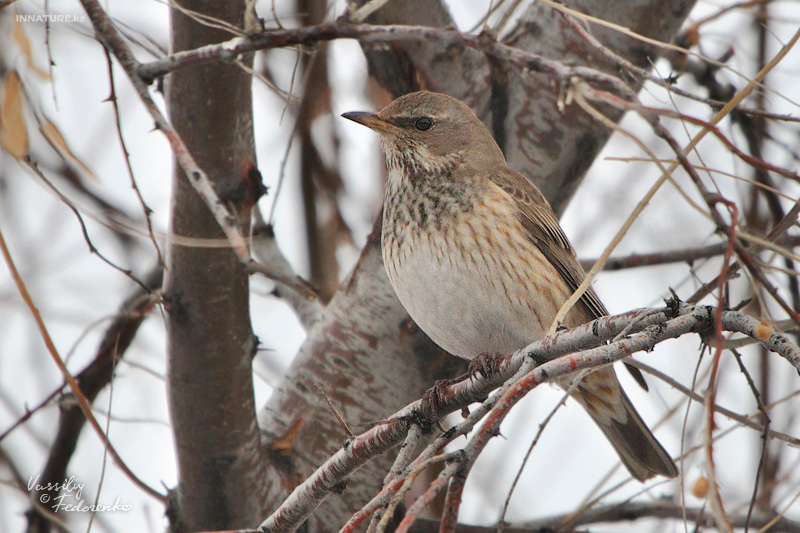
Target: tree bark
(209, 338)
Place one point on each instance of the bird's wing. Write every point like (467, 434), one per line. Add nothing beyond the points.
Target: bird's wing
(544, 231)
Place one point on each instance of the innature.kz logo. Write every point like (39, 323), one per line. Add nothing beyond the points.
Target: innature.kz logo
(51, 18)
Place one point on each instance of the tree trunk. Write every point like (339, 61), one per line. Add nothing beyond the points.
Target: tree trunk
(210, 340)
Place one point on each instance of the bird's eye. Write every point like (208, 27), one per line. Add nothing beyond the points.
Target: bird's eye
(423, 123)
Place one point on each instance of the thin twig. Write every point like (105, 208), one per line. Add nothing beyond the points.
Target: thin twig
(112, 97)
(332, 408)
(764, 442)
(736, 417)
(33, 165)
(662, 508)
(109, 36)
(73, 385)
(684, 255)
(535, 440)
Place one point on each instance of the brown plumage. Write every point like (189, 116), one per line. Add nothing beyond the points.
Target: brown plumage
(478, 259)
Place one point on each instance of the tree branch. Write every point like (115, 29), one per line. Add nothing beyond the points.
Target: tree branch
(265, 249)
(566, 352)
(368, 33)
(629, 511)
(684, 255)
(110, 37)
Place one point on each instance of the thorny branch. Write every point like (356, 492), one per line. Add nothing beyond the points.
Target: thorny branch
(566, 352)
(112, 97)
(113, 41)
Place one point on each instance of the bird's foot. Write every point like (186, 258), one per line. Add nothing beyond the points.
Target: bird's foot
(432, 403)
(486, 364)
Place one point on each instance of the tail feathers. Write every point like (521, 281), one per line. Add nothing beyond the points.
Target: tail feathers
(603, 398)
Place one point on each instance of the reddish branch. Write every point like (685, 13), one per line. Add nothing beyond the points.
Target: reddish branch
(684, 255)
(715, 500)
(91, 381)
(428, 496)
(452, 503)
(630, 102)
(629, 511)
(649, 328)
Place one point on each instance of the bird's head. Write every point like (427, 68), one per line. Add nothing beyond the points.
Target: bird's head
(428, 132)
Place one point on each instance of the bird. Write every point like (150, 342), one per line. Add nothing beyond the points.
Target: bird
(477, 257)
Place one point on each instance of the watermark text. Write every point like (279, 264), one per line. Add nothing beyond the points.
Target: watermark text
(69, 497)
(50, 18)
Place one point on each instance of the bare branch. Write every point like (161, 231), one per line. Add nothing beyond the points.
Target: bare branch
(265, 249)
(685, 255)
(627, 511)
(565, 352)
(83, 402)
(366, 33)
(110, 37)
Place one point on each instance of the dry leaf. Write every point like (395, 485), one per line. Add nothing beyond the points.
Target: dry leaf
(18, 34)
(56, 140)
(13, 133)
(284, 445)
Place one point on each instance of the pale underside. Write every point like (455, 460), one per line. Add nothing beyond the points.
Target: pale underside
(460, 300)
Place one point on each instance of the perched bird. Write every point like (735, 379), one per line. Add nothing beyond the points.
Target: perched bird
(478, 259)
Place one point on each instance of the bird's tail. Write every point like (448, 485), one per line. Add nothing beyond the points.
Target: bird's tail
(603, 398)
